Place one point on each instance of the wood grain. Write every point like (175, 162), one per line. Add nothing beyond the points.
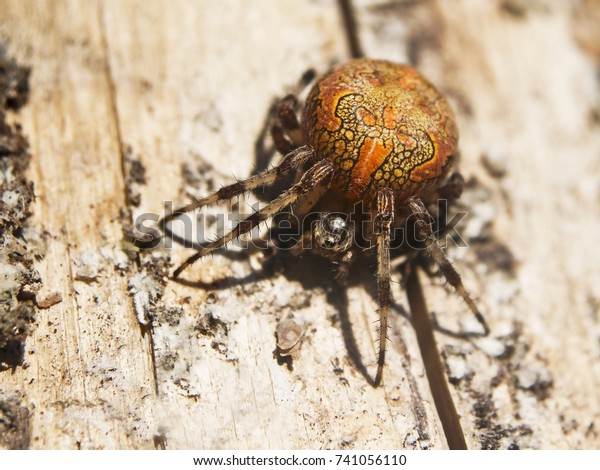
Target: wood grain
(134, 104)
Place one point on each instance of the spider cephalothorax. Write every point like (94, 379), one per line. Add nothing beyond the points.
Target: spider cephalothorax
(374, 135)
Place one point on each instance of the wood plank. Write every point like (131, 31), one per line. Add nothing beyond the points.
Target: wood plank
(523, 79)
(120, 86)
(205, 108)
(88, 380)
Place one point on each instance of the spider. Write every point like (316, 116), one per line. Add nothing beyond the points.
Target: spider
(373, 134)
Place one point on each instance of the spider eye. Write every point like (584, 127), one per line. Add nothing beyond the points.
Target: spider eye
(328, 243)
(332, 232)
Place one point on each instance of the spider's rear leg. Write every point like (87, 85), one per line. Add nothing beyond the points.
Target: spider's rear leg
(438, 202)
(319, 173)
(452, 188)
(385, 217)
(425, 232)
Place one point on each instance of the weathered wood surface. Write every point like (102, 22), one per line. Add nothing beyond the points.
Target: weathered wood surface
(182, 89)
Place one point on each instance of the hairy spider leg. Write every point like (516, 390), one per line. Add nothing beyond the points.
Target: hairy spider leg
(320, 173)
(385, 218)
(423, 224)
(286, 129)
(291, 161)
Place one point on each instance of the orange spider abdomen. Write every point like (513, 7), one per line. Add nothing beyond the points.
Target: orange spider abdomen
(383, 126)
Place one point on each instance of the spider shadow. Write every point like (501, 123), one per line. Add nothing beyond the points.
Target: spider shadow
(311, 272)
(338, 298)
(314, 272)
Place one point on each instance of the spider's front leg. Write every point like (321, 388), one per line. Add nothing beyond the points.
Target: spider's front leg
(292, 161)
(425, 233)
(319, 173)
(383, 224)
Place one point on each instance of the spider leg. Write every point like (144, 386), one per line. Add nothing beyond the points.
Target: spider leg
(385, 217)
(419, 211)
(289, 120)
(286, 131)
(291, 161)
(452, 188)
(320, 172)
(280, 139)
